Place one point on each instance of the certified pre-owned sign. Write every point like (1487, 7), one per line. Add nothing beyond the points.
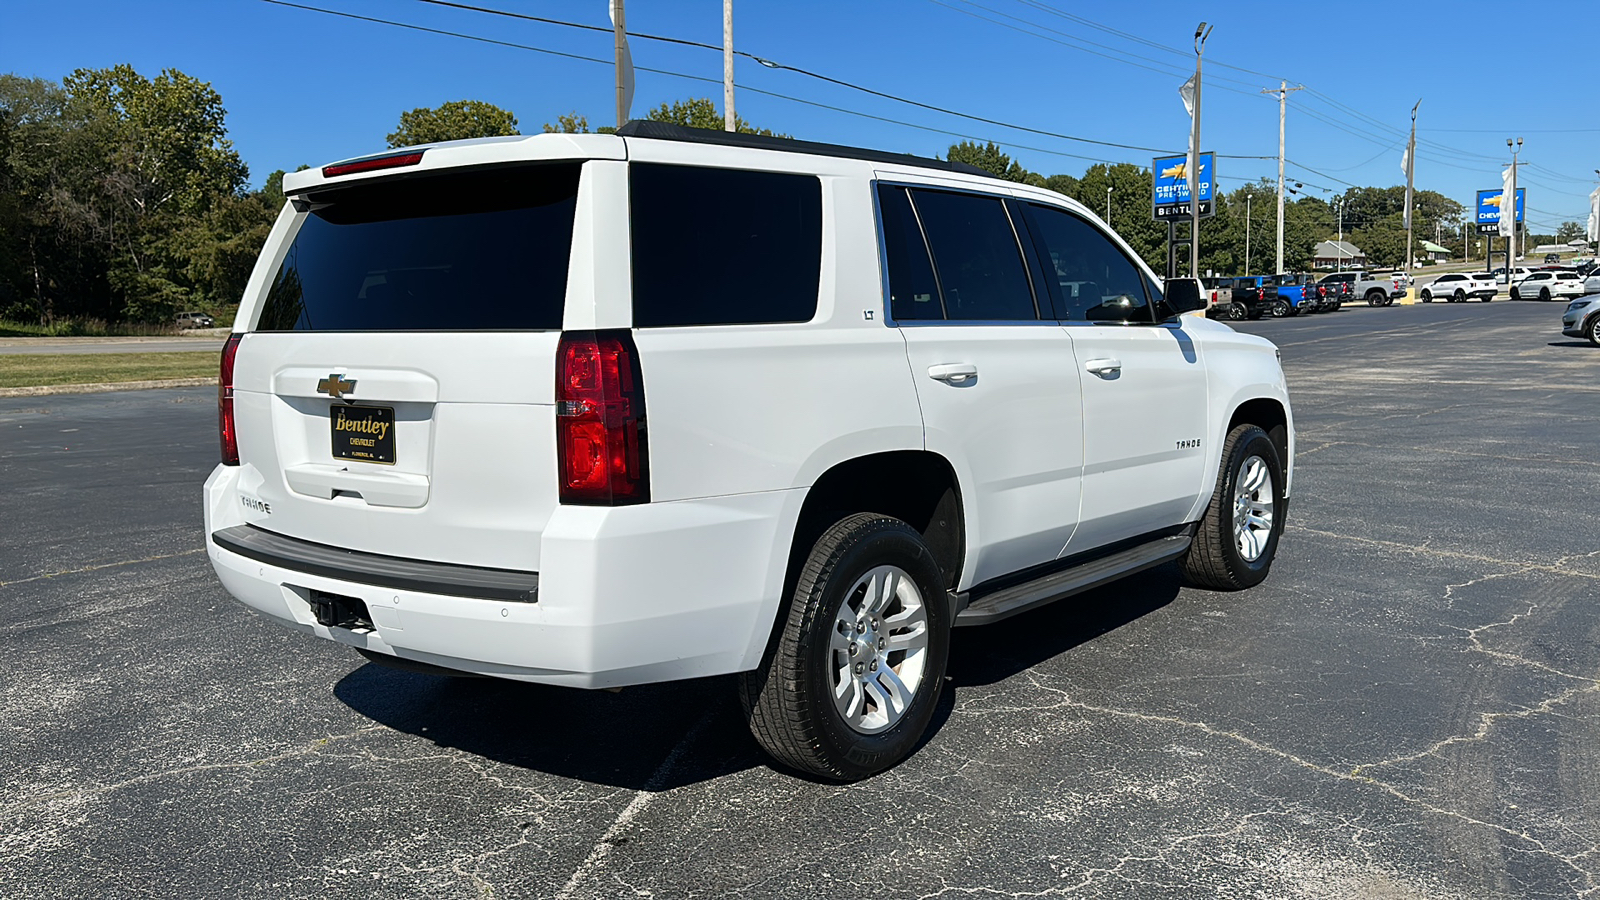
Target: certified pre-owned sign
(1171, 197)
(1489, 209)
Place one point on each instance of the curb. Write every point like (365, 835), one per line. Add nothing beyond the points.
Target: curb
(42, 390)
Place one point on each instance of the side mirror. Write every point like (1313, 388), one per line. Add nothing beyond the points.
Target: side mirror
(1180, 295)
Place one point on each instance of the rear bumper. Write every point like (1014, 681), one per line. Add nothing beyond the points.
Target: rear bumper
(625, 595)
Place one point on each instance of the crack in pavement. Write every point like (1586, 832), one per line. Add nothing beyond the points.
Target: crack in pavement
(97, 567)
(85, 793)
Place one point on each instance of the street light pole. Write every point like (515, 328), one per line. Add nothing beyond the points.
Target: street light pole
(1200, 35)
(1108, 207)
(1511, 245)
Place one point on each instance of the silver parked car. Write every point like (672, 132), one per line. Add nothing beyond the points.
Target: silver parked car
(1582, 318)
(194, 320)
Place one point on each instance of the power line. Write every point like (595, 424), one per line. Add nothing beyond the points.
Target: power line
(817, 75)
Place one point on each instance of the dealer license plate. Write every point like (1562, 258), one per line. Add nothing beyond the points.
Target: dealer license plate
(364, 433)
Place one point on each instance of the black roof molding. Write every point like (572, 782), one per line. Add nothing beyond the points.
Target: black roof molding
(663, 131)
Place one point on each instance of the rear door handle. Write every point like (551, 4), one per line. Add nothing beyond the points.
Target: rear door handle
(953, 373)
(1104, 366)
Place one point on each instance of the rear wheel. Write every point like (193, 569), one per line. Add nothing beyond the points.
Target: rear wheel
(1427, 297)
(1544, 294)
(1374, 298)
(851, 682)
(1281, 309)
(1460, 296)
(1237, 311)
(1238, 537)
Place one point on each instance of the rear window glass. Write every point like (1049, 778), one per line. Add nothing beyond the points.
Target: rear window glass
(484, 250)
(724, 246)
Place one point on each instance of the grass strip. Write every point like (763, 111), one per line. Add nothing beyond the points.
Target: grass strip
(28, 370)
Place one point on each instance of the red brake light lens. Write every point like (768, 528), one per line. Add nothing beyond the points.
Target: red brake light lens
(395, 161)
(602, 455)
(230, 437)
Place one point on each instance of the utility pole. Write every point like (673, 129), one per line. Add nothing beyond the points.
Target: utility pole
(1509, 199)
(1247, 199)
(1340, 246)
(619, 35)
(1411, 169)
(1192, 170)
(1283, 109)
(728, 118)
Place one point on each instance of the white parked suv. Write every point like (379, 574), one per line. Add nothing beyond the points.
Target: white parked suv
(1457, 287)
(603, 410)
(1548, 285)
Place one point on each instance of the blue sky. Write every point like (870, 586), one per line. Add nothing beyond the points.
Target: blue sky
(304, 87)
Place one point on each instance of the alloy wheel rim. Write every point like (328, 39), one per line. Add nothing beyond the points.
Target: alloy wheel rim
(1252, 508)
(878, 651)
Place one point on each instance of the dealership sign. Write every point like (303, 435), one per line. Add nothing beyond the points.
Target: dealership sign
(1170, 199)
(1489, 209)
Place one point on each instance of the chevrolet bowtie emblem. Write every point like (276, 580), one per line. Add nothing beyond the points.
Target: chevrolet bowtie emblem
(335, 386)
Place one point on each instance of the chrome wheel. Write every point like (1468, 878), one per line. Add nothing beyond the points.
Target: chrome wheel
(1252, 508)
(879, 649)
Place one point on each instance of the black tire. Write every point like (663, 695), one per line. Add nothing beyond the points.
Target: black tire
(1515, 295)
(1427, 297)
(1488, 297)
(1460, 296)
(1237, 312)
(1281, 309)
(788, 701)
(1593, 330)
(1335, 306)
(1214, 560)
(1544, 295)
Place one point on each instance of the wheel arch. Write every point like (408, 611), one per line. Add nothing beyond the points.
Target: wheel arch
(918, 487)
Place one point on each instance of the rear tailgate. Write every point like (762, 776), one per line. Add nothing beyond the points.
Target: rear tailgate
(396, 395)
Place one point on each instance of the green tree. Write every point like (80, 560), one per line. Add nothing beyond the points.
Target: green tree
(164, 159)
(991, 158)
(700, 112)
(570, 123)
(1566, 231)
(454, 121)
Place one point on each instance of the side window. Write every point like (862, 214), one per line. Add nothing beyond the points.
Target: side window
(723, 246)
(1098, 282)
(913, 292)
(981, 273)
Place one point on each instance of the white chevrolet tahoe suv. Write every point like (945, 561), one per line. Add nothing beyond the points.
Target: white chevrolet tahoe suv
(602, 410)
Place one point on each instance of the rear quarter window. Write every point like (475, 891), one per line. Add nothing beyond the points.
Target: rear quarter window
(462, 251)
(723, 246)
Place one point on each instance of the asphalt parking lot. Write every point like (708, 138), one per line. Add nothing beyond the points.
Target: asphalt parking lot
(1408, 708)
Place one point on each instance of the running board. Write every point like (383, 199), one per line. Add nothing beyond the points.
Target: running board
(1008, 601)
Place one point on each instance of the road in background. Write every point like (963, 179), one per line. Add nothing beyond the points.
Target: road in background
(53, 345)
(1408, 708)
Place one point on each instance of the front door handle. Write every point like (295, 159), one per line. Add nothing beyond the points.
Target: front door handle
(1104, 367)
(953, 373)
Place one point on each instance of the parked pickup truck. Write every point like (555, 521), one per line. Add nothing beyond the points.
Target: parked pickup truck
(1253, 297)
(1458, 287)
(1377, 291)
(1219, 296)
(1297, 293)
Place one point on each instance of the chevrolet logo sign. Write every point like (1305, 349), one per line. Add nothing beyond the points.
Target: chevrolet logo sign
(335, 386)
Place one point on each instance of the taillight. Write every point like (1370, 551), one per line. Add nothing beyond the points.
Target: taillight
(230, 437)
(602, 456)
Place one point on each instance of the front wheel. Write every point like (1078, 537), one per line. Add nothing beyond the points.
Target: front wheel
(1238, 536)
(1594, 330)
(851, 681)
(1515, 295)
